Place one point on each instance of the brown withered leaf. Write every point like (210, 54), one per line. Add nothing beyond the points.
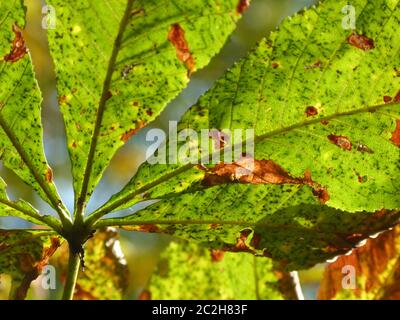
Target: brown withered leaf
(252, 171)
(177, 37)
(376, 268)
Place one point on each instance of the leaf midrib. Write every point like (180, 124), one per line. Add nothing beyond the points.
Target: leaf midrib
(100, 112)
(56, 203)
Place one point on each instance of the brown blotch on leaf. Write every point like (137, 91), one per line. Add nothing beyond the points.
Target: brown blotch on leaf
(217, 255)
(275, 65)
(396, 134)
(387, 99)
(311, 111)
(397, 97)
(74, 145)
(242, 6)
(49, 175)
(341, 141)
(19, 49)
(240, 245)
(316, 65)
(360, 41)
(135, 104)
(62, 99)
(149, 112)
(322, 194)
(177, 37)
(214, 226)
(325, 122)
(249, 170)
(128, 134)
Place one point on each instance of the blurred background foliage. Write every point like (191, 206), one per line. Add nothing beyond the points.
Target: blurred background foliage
(141, 250)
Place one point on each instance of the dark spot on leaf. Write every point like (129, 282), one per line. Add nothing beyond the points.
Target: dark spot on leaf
(360, 41)
(275, 65)
(177, 37)
(242, 6)
(49, 175)
(74, 145)
(19, 48)
(325, 122)
(135, 103)
(149, 112)
(311, 111)
(387, 99)
(397, 97)
(216, 255)
(341, 141)
(322, 194)
(396, 134)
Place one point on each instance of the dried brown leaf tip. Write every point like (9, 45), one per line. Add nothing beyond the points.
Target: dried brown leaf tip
(177, 37)
(242, 6)
(341, 141)
(19, 48)
(396, 134)
(360, 41)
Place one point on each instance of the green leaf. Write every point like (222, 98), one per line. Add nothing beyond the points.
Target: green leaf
(371, 272)
(105, 275)
(112, 83)
(23, 210)
(298, 236)
(297, 90)
(21, 132)
(190, 272)
(23, 254)
(344, 154)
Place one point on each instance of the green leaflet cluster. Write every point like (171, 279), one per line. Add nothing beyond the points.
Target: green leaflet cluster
(154, 47)
(339, 149)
